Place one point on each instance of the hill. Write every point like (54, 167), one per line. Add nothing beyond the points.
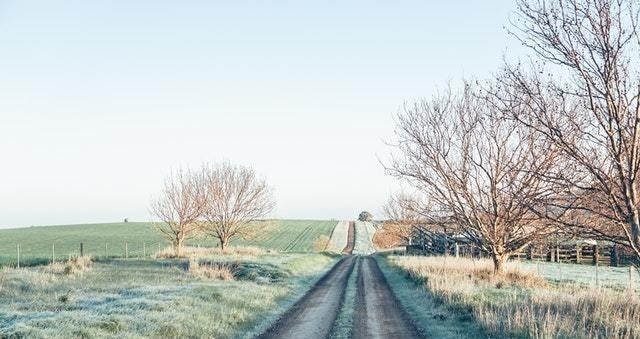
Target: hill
(39, 244)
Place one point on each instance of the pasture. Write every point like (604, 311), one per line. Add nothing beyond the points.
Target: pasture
(142, 298)
(39, 244)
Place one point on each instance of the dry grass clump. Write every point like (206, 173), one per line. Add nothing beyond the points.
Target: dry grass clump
(73, 266)
(213, 270)
(520, 304)
(475, 271)
(188, 252)
(3, 279)
(322, 243)
(563, 313)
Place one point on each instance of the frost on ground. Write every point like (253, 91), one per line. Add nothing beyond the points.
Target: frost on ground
(339, 237)
(520, 303)
(154, 298)
(587, 275)
(364, 238)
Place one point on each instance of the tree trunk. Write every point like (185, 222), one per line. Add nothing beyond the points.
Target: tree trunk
(177, 247)
(499, 260)
(223, 242)
(635, 232)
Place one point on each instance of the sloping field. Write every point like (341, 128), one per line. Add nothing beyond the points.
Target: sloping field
(39, 244)
(339, 236)
(290, 235)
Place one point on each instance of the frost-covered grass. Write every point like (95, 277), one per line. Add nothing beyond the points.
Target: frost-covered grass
(154, 298)
(434, 318)
(343, 327)
(586, 275)
(521, 304)
(364, 232)
(339, 237)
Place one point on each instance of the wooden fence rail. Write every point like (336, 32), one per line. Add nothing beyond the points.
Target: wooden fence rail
(580, 253)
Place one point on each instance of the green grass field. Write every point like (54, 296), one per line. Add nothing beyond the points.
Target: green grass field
(135, 240)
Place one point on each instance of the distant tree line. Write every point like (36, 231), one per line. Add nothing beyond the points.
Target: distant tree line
(549, 146)
(220, 200)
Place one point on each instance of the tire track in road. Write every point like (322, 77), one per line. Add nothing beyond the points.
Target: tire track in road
(378, 312)
(375, 313)
(313, 315)
(351, 238)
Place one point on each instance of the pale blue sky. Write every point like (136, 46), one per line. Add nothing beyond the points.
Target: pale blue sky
(99, 99)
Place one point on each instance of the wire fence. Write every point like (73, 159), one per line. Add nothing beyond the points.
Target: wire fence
(21, 255)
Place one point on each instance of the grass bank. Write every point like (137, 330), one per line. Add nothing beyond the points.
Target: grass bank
(154, 298)
(522, 304)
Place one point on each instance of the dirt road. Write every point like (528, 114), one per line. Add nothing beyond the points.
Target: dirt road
(351, 238)
(377, 313)
(313, 315)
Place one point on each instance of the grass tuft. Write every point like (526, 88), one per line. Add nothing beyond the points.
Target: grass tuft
(213, 270)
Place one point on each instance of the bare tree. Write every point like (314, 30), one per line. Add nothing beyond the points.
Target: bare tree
(478, 168)
(589, 107)
(235, 197)
(179, 207)
(402, 217)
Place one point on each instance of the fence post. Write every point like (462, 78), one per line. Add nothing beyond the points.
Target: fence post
(558, 254)
(106, 251)
(144, 249)
(597, 277)
(81, 249)
(126, 250)
(53, 253)
(578, 249)
(18, 247)
(615, 259)
(596, 255)
(457, 250)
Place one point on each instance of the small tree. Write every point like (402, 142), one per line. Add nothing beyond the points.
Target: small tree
(235, 197)
(179, 207)
(365, 216)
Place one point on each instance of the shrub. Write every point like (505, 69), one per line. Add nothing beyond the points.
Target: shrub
(365, 216)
